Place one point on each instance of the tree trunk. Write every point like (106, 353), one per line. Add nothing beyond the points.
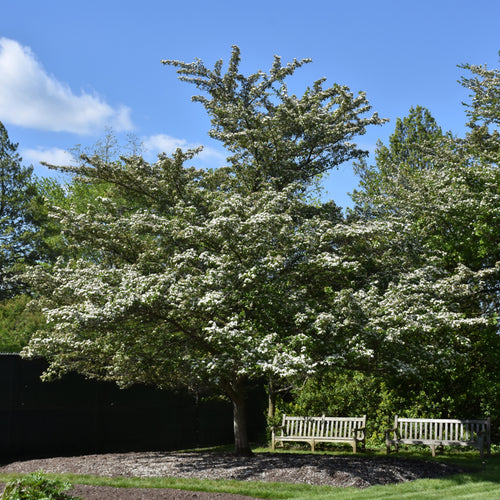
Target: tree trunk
(238, 397)
(271, 406)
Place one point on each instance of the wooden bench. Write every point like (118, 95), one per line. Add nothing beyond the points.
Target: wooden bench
(323, 429)
(440, 432)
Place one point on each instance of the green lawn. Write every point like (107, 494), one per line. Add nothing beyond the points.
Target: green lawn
(482, 483)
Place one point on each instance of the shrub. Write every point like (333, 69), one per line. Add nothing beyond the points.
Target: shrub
(37, 486)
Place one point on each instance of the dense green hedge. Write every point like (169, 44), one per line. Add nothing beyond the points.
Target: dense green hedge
(355, 394)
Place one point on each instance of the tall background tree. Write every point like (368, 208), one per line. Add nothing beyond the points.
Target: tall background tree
(410, 151)
(17, 194)
(21, 213)
(435, 199)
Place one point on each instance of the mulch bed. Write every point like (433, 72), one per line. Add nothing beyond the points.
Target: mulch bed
(344, 470)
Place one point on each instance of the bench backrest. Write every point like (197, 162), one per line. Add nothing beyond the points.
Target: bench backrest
(333, 427)
(441, 429)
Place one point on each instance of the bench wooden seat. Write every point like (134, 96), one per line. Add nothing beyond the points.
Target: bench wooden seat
(440, 432)
(322, 429)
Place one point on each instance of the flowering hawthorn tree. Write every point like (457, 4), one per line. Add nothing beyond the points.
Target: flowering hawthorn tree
(208, 277)
(205, 287)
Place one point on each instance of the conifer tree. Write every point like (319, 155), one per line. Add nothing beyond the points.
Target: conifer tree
(17, 194)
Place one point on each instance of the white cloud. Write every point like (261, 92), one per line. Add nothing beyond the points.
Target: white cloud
(30, 97)
(53, 156)
(163, 143)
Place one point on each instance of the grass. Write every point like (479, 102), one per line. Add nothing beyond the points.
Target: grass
(483, 482)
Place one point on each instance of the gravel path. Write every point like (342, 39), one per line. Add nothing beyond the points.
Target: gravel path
(346, 470)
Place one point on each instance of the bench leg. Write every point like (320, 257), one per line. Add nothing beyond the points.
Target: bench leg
(387, 442)
(433, 449)
(354, 446)
(388, 447)
(313, 445)
(480, 446)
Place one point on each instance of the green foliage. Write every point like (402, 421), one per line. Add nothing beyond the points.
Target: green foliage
(341, 393)
(18, 322)
(437, 200)
(411, 150)
(37, 486)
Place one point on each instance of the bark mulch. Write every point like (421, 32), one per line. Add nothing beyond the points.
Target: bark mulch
(344, 470)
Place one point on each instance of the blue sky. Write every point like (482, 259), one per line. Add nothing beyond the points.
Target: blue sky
(69, 70)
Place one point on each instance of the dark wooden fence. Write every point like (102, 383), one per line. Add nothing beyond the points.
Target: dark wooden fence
(75, 416)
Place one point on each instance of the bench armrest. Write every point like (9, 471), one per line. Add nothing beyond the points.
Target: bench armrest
(361, 430)
(275, 428)
(388, 431)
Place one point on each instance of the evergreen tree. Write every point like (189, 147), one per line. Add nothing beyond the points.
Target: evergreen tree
(411, 150)
(17, 196)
